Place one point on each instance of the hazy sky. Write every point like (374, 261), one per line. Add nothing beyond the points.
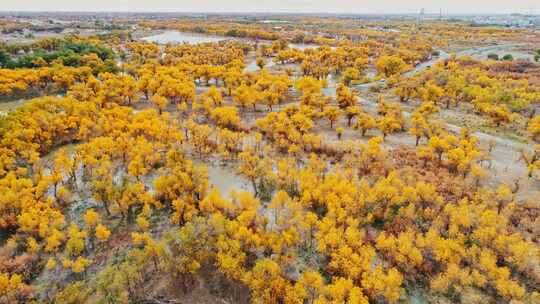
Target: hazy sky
(295, 6)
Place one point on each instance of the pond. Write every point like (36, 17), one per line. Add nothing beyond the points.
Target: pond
(195, 38)
(181, 37)
(303, 46)
(252, 66)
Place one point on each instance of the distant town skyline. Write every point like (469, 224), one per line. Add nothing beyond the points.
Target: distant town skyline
(282, 6)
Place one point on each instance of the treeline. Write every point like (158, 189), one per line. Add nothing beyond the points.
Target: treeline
(69, 53)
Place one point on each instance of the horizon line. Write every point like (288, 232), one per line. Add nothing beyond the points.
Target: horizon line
(267, 12)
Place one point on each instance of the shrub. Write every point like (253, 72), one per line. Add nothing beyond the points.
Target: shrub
(508, 57)
(493, 56)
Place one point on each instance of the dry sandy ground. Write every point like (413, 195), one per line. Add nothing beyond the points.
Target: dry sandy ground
(506, 166)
